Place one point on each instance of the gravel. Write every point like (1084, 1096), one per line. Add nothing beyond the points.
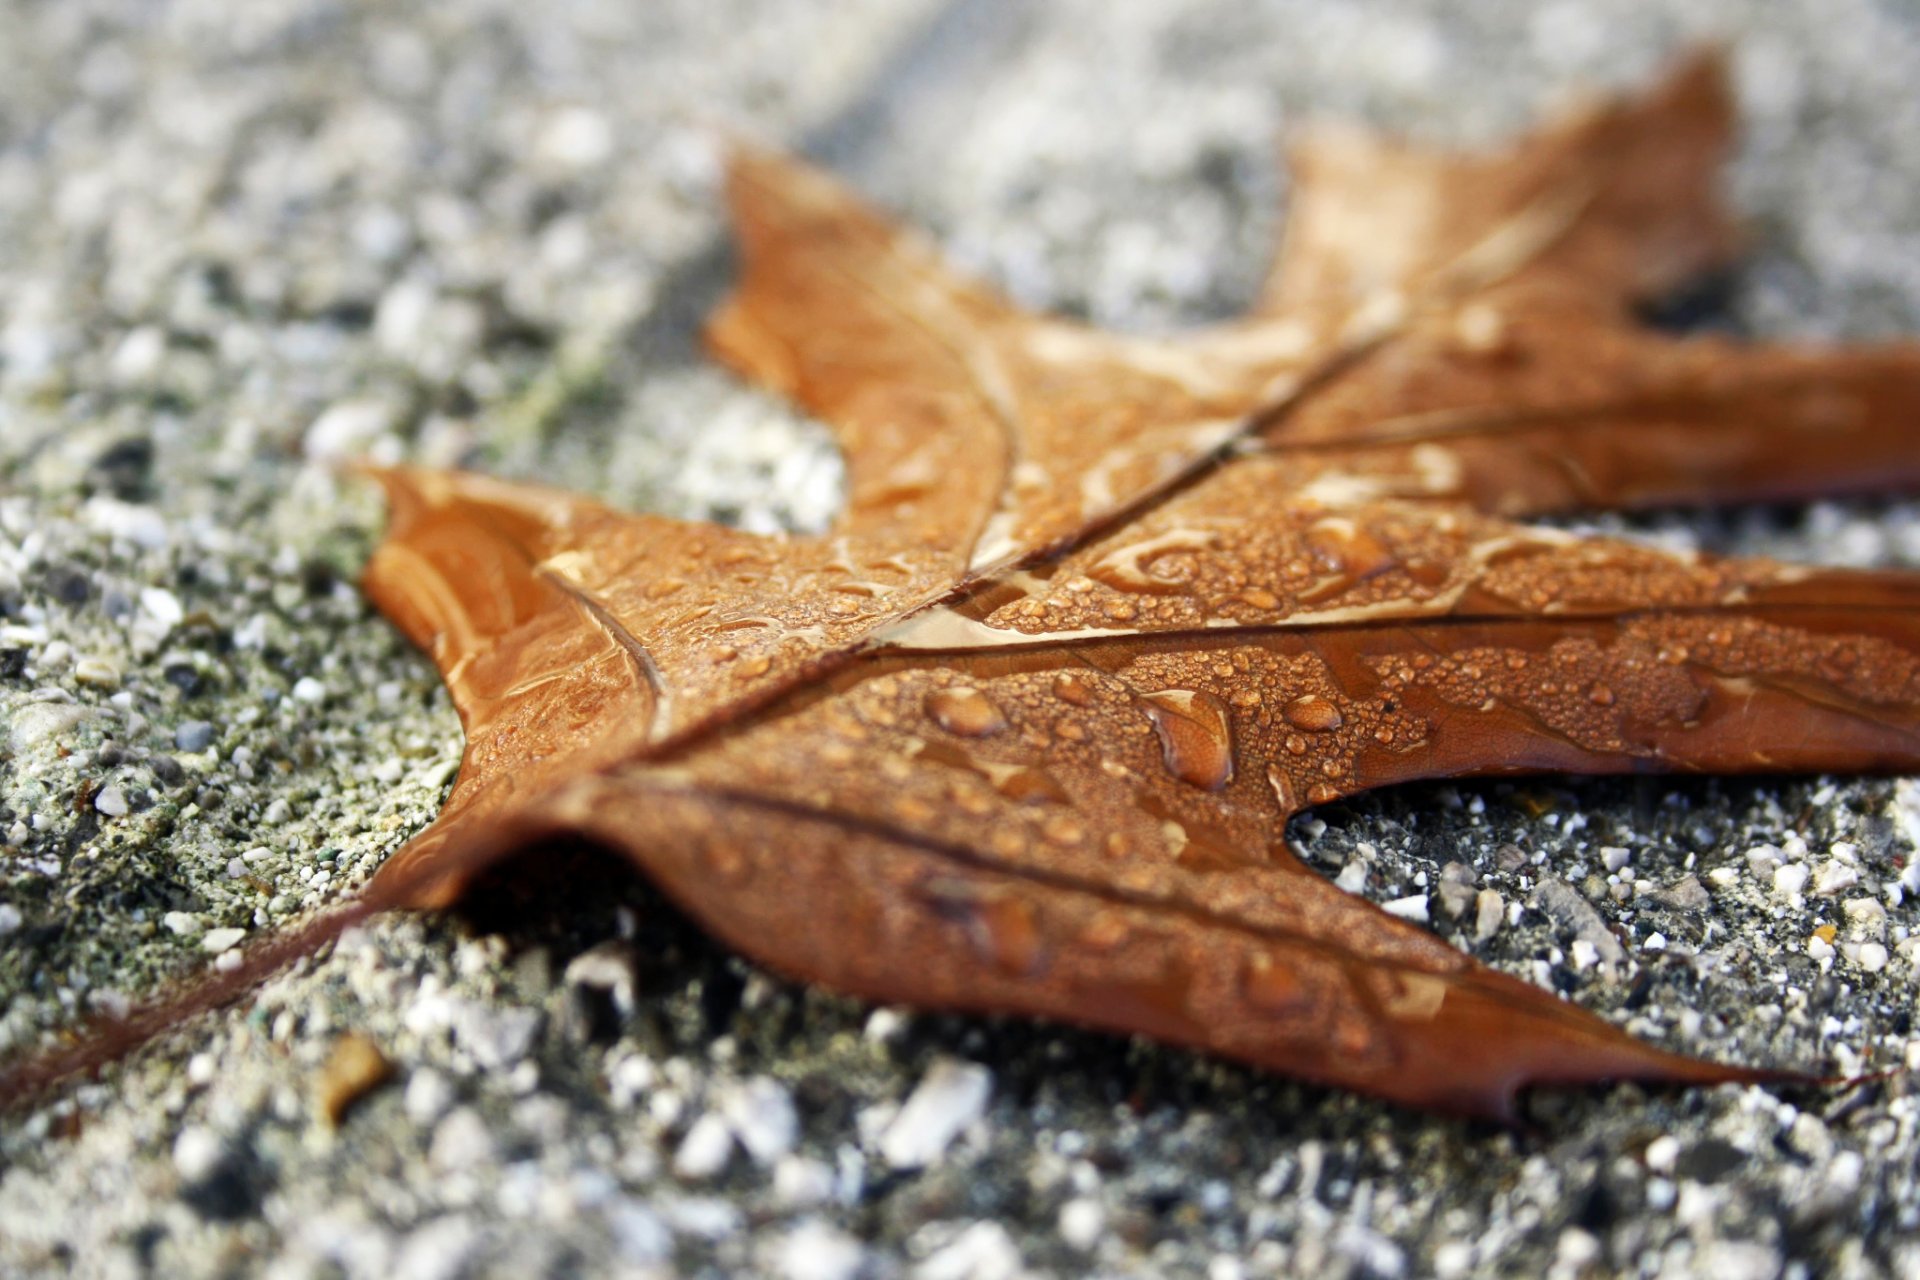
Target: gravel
(239, 242)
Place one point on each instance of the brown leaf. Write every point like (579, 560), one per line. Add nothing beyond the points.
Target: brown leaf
(1023, 731)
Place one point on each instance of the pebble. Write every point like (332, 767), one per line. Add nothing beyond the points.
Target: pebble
(496, 1037)
(307, 689)
(1567, 907)
(639, 1234)
(224, 939)
(181, 923)
(1684, 894)
(1872, 956)
(460, 1141)
(111, 801)
(427, 1097)
(1613, 857)
(705, 1150)
(801, 1182)
(1489, 910)
(1789, 880)
(1834, 877)
(983, 1251)
(951, 1096)
(197, 1153)
(761, 1115)
(814, 1250)
(1412, 907)
(1082, 1222)
(193, 735)
(10, 918)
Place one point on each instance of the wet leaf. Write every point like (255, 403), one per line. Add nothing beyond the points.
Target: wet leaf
(1022, 732)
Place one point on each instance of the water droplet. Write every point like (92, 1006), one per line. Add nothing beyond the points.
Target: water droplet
(1136, 567)
(1322, 793)
(1600, 696)
(1313, 713)
(1196, 737)
(1073, 689)
(965, 712)
(1265, 601)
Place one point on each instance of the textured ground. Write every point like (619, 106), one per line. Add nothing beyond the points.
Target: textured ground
(235, 236)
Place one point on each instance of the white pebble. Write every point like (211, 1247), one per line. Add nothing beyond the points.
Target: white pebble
(197, 1152)
(1872, 957)
(1789, 880)
(705, 1150)
(1082, 1221)
(1819, 948)
(461, 1141)
(1834, 877)
(1662, 1152)
(1614, 857)
(1352, 877)
(984, 1251)
(218, 940)
(111, 801)
(427, 1097)
(162, 606)
(9, 918)
(801, 1182)
(816, 1251)
(951, 1096)
(761, 1114)
(307, 689)
(1412, 907)
(181, 922)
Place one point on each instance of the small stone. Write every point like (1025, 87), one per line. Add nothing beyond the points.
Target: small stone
(1834, 877)
(427, 1097)
(1789, 880)
(1412, 907)
(354, 1069)
(347, 429)
(97, 673)
(1457, 873)
(497, 1038)
(1872, 957)
(1763, 860)
(1662, 1152)
(1613, 857)
(181, 923)
(215, 941)
(801, 1182)
(639, 1235)
(1819, 948)
(460, 1141)
(1489, 910)
(197, 1153)
(162, 606)
(307, 689)
(111, 801)
(984, 1251)
(761, 1114)
(816, 1251)
(1352, 877)
(1455, 898)
(10, 918)
(193, 735)
(704, 1152)
(951, 1096)
(1082, 1222)
(1684, 894)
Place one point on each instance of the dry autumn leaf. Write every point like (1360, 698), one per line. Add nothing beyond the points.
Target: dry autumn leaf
(1023, 731)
